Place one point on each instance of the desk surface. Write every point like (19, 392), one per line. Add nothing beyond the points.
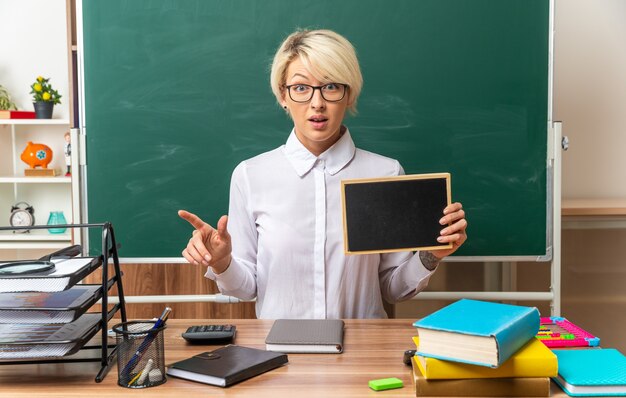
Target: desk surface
(373, 350)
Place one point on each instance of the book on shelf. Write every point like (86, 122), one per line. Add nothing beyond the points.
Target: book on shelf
(306, 336)
(66, 273)
(477, 332)
(20, 341)
(17, 115)
(481, 387)
(227, 365)
(534, 359)
(591, 371)
(55, 307)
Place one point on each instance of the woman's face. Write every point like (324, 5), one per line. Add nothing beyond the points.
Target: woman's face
(317, 122)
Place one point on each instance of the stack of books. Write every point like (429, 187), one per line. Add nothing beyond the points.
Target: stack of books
(475, 348)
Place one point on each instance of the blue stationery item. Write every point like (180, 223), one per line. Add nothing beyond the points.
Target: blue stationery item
(591, 372)
(146, 343)
(477, 332)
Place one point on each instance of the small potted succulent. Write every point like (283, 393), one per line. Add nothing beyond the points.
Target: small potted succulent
(5, 100)
(44, 98)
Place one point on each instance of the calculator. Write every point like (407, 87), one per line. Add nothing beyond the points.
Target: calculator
(210, 334)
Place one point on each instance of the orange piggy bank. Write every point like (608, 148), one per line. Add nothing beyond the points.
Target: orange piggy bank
(37, 155)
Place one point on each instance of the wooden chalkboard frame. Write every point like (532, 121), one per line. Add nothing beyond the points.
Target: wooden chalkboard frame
(430, 192)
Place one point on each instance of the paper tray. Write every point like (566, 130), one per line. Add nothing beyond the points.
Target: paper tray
(59, 307)
(66, 274)
(47, 340)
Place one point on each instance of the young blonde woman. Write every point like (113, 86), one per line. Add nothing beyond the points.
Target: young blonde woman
(282, 242)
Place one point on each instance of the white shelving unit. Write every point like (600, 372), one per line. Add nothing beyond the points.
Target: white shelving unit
(23, 60)
(44, 194)
(34, 240)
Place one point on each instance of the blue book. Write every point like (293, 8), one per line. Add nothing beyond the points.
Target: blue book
(591, 371)
(477, 332)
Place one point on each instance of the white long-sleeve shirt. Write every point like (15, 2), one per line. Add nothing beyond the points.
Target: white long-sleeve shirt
(285, 223)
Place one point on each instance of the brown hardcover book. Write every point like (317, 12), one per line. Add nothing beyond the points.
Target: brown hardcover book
(500, 387)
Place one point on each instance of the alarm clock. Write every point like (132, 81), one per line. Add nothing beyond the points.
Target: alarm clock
(22, 215)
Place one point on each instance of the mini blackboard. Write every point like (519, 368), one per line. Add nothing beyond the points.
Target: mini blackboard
(392, 214)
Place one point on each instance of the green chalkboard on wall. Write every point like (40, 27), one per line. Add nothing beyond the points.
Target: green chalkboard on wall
(177, 94)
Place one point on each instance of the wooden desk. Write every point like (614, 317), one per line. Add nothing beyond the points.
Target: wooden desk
(373, 350)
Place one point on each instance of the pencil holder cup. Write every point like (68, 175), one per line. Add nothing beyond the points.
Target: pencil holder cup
(140, 354)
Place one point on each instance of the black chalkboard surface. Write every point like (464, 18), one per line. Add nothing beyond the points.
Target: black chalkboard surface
(177, 94)
(382, 215)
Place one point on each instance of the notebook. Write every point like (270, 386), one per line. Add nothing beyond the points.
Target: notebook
(306, 336)
(67, 272)
(477, 332)
(591, 371)
(227, 365)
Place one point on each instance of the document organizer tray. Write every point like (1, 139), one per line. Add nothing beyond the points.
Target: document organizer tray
(67, 273)
(20, 341)
(50, 342)
(58, 307)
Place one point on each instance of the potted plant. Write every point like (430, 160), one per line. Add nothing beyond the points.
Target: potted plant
(5, 100)
(44, 98)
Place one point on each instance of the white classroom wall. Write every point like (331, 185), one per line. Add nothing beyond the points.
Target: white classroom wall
(590, 96)
(34, 43)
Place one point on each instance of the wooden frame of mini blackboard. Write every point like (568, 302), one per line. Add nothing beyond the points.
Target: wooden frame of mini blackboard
(381, 226)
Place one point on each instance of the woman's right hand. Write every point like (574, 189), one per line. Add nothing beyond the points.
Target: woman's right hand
(208, 246)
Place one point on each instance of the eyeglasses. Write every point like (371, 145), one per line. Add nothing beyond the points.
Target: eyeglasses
(331, 92)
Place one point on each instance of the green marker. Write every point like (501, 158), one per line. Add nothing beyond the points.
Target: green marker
(385, 384)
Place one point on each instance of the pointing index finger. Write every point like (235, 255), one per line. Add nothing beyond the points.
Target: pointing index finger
(192, 219)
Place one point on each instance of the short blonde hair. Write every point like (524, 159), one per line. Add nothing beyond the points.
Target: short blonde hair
(327, 55)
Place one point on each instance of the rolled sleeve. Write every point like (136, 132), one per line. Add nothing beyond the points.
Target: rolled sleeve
(402, 276)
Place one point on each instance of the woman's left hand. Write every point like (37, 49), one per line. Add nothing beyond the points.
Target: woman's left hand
(454, 231)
